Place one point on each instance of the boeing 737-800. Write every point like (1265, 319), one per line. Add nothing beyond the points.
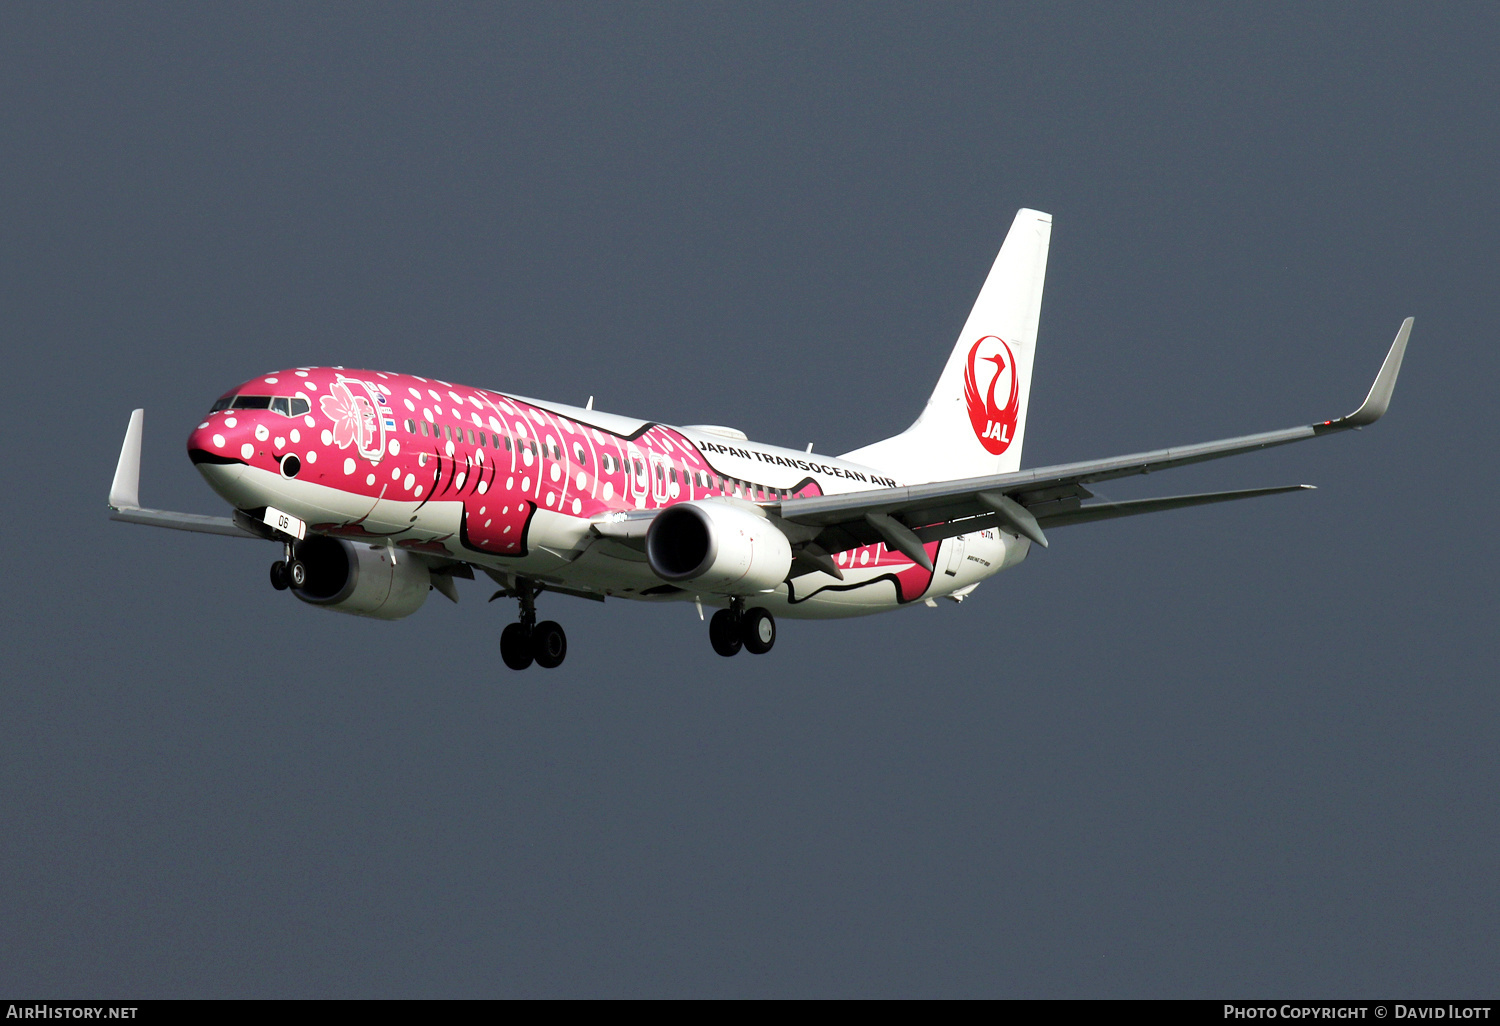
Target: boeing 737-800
(380, 487)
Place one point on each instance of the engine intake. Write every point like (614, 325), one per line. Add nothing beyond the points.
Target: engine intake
(719, 547)
(362, 580)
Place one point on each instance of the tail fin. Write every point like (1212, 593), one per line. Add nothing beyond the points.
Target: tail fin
(975, 420)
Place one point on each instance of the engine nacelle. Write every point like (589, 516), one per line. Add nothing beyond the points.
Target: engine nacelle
(361, 580)
(718, 547)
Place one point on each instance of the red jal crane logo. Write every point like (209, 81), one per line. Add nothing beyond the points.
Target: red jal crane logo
(994, 426)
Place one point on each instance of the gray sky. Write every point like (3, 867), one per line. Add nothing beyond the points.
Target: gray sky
(1243, 750)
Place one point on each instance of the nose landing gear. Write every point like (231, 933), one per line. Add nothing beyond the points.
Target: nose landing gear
(288, 572)
(734, 628)
(527, 641)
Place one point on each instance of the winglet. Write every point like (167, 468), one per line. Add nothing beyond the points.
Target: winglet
(125, 493)
(1379, 399)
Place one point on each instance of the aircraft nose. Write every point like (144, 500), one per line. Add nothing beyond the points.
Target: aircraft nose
(221, 440)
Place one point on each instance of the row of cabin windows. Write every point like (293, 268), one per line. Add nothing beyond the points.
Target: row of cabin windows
(286, 405)
(608, 461)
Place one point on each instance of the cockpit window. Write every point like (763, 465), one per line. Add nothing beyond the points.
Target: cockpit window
(287, 406)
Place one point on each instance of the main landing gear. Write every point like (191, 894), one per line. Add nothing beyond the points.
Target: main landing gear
(734, 628)
(527, 641)
(288, 572)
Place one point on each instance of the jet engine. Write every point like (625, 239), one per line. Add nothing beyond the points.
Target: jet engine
(718, 547)
(361, 579)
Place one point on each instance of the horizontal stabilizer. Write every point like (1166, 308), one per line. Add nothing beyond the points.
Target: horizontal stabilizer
(1133, 507)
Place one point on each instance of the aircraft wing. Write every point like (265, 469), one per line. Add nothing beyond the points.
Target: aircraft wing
(125, 502)
(1026, 501)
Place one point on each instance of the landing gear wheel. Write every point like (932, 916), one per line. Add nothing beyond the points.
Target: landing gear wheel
(515, 646)
(724, 633)
(296, 573)
(549, 645)
(758, 629)
(279, 576)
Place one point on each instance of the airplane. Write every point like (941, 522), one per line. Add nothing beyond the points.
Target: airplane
(381, 487)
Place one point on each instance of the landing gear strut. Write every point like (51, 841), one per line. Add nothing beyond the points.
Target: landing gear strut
(527, 641)
(734, 628)
(288, 572)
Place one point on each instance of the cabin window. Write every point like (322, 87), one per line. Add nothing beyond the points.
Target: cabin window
(411, 427)
(507, 443)
(471, 436)
(424, 428)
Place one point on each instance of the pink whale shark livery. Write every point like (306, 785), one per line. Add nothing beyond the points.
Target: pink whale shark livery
(380, 487)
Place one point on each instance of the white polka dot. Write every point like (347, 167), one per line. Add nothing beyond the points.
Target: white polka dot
(505, 511)
(864, 557)
(383, 389)
(550, 498)
(247, 450)
(312, 386)
(302, 374)
(521, 428)
(435, 396)
(294, 435)
(458, 482)
(218, 441)
(609, 491)
(494, 424)
(280, 442)
(475, 403)
(414, 393)
(526, 457)
(312, 457)
(410, 405)
(577, 507)
(203, 425)
(536, 415)
(370, 479)
(309, 421)
(455, 397)
(506, 531)
(525, 484)
(395, 447)
(484, 486)
(428, 415)
(568, 426)
(477, 421)
(410, 480)
(395, 473)
(271, 381)
(458, 415)
(349, 465)
(510, 484)
(327, 437)
(261, 434)
(448, 448)
(418, 492)
(843, 558)
(488, 522)
(556, 471)
(582, 479)
(230, 422)
(599, 437)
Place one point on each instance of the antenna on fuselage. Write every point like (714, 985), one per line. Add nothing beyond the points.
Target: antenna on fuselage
(590, 404)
